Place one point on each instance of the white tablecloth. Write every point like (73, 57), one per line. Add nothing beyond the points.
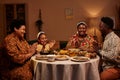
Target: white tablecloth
(65, 70)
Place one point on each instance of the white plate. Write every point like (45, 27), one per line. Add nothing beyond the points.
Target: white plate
(62, 57)
(51, 55)
(41, 57)
(80, 59)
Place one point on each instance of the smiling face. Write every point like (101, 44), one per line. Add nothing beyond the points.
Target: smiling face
(42, 39)
(82, 30)
(20, 31)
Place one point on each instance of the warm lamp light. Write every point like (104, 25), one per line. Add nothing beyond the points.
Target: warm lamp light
(93, 13)
(93, 23)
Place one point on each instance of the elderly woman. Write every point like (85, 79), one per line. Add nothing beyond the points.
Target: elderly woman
(43, 44)
(15, 60)
(81, 39)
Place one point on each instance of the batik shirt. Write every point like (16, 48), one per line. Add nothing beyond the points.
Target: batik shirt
(15, 61)
(17, 49)
(76, 42)
(111, 49)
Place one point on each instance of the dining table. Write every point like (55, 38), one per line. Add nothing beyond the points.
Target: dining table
(67, 69)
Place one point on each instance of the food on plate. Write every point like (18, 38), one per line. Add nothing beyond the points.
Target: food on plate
(74, 50)
(87, 54)
(63, 52)
(83, 53)
(61, 57)
(79, 58)
(90, 55)
(41, 57)
(71, 54)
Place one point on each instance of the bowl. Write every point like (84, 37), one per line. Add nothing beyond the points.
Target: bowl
(51, 58)
(44, 52)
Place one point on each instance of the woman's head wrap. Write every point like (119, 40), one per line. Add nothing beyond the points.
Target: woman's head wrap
(41, 32)
(81, 23)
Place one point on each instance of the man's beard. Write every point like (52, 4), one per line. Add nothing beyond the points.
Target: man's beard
(103, 33)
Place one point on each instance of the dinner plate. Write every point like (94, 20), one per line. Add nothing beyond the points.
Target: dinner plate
(41, 57)
(62, 57)
(80, 59)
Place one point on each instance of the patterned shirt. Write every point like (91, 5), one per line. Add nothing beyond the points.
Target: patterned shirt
(84, 43)
(111, 49)
(17, 49)
(15, 60)
(41, 47)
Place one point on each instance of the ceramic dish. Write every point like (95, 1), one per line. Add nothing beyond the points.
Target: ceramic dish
(80, 59)
(41, 57)
(62, 57)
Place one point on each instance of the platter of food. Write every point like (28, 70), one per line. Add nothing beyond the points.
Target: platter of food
(80, 59)
(62, 57)
(74, 49)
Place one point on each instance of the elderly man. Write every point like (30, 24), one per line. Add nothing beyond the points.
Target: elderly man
(110, 51)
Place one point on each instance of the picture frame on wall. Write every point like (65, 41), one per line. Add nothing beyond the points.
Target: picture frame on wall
(68, 13)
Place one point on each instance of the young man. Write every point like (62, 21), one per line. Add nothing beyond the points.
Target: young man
(110, 51)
